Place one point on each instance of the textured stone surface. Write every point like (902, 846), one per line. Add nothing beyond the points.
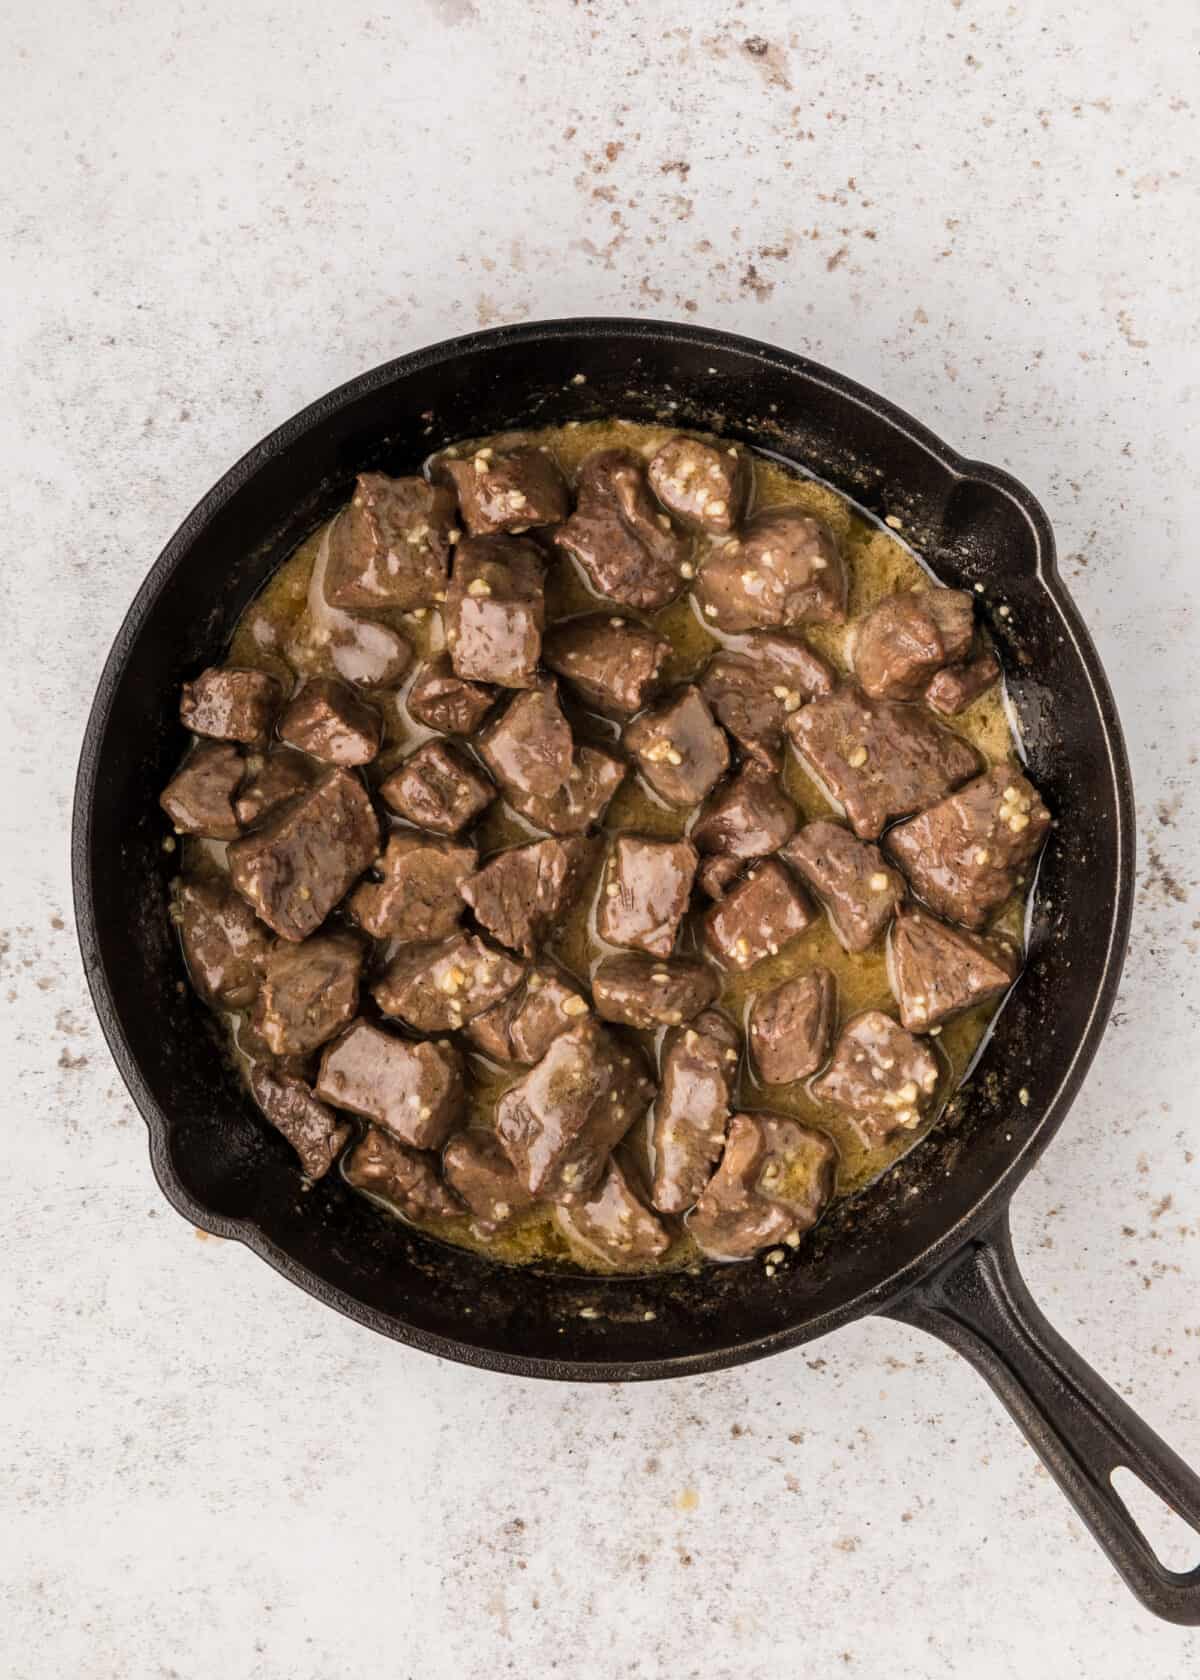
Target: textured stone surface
(986, 211)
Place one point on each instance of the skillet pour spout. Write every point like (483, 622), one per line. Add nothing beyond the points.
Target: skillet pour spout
(928, 1241)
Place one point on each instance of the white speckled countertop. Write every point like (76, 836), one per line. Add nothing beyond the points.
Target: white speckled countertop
(988, 212)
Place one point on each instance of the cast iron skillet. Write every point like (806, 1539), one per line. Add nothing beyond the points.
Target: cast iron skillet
(928, 1243)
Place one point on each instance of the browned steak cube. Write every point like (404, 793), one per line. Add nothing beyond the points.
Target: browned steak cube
(506, 489)
(753, 692)
(583, 798)
(199, 797)
(717, 872)
(391, 546)
(417, 898)
(956, 687)
(525, 1024)
(522, 891)
(748, 816)
(403, 1178)
(614, 1225)
(412, 1089)
(899, 644)
(881, 1077)
(937, 971)
(628, 548)
(757, 918)
(652, 992)
(679, 749)
(309, 992)
(304, 860)
(529, 748)
(965, 855)
(446, 702)
(435, 988)
(224, 943)
(612, 663)
(646, 888)
(277, 778)
(229, 704)
(785, 569)
(496, 611)
(560, 1122)
(791, 1027)
(774, 1182)
(691, 1111)
(482, 1176)
(328, 720)
(316, 1134)
(705, 486)
(372, 655)
(859, 890)
(436, 788)
(879, 759)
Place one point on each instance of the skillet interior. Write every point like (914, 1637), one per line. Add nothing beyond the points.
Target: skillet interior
(227, 1172)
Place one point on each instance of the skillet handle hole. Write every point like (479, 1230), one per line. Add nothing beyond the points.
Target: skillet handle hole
(1173, 1540)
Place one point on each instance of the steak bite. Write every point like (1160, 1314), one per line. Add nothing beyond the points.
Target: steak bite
(328, 720)
(956, 687)
(390, 547)
(522, 891)
(691, 1111)
(937, 971)
(965, 855)
(679, 749)
(529, 748)
(652, 992)
(224, 943)
(446, 702)
(316, 1134)
(435, 988)
(559, 1123)
(417, 897)
(414, 1090)
(612, 663)
(757, 918)
(753, 692)
(496, 611)
(506, 489)
(583, 798)
(748, 816)
(791, 1027)
(309, 992)
(369, 654)
(786, 569)
(303, 860)
(226, 703)
(525, 1024)
(858, 889)
(630, 551)
(774, 1182)
(646, 888)
(716, 873)
(403, 1178)
(436, 788)
(879, 759)
(199, 798)
(881, 1077)
(905, 638)
(481, 1175)
(704, 486)
(277, 778)
(613, 1224)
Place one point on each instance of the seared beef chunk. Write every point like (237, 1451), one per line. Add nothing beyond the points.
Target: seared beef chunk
(303, 861)
(678, 748)
(858, 889)
(937, 971)
(529, 747)
(786, 569)
(372, 655)
(316, 1134)
(524, 1026)
(774, 1182)
(418, 895)
(437, 789)
(965, 854)
(749, 816)
(629, 550)
(199, 797)
(328, 720)
(612, 663)
(754, 691)
(521, 893)
(496, 611)
(391, 546)
(691, 1111)
(646, 889)
(506, 489)
(704, 486)
(757, 918)
(443, 701)
(403, 1178)
(791, 1027)
(558, 1124)
(956, 687)
(583, 798)
(435, 988)
(880, 1077)
(905, 638)
(413, 1090)
(308, 993)
(482, 1176)
(879, 759)
(717, 872)
(223, 941)
(229, 704)
(613, 1225)
(652, 992)
(280, 777)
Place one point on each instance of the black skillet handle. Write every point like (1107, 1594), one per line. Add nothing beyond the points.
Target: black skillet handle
(979, 1305)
